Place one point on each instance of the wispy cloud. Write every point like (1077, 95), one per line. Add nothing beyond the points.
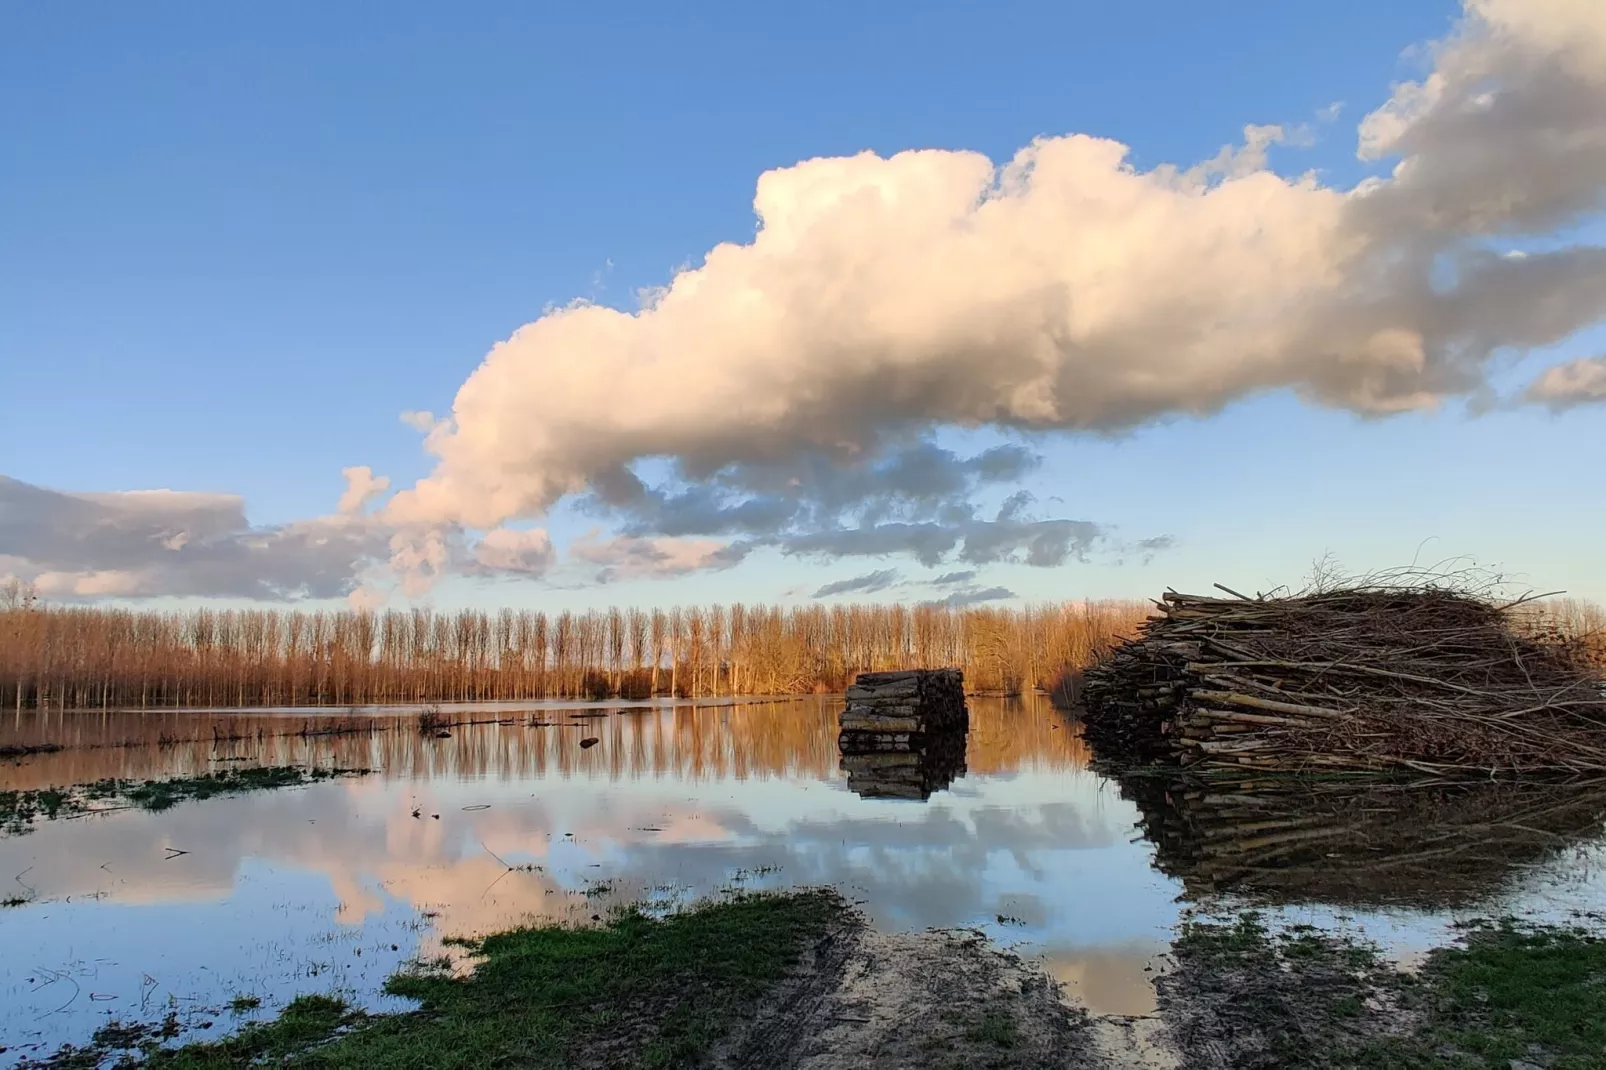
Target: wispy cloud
(631, 557)
(970, 596)
(879, 580)
(950, 578)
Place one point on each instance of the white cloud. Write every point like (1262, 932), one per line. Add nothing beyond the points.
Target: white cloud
(362, 487)
(508, 550)
(420, 420)
(420, 556)
(102, 583)
(627, 557)
(137, 544)
(1069, 290)
(1565, 386)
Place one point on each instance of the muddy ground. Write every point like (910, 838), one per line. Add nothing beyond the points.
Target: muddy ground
(1236, 995)
(936, 999)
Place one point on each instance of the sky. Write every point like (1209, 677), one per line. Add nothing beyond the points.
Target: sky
(617, 304)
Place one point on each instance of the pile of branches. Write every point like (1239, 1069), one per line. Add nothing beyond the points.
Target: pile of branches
(1367, 678)
(1429, 844)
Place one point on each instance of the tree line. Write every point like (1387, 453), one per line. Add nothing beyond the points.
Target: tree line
(74, 657)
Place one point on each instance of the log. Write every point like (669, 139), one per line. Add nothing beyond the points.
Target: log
(854, 723)
(1233, 698)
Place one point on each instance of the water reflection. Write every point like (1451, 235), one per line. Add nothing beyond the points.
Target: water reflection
(726, 741)
(901, 767)
(335, 884)
(1430, 845)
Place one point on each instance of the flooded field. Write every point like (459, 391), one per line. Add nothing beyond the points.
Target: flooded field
(249, 900)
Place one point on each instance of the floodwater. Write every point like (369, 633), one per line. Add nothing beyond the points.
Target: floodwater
(131, 915)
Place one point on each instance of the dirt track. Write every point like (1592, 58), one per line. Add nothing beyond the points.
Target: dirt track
(939, 999)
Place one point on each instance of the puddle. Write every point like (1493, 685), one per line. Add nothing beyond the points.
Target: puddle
(332, 886)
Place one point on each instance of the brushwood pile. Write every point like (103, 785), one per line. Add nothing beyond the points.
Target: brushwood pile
(1366, 679)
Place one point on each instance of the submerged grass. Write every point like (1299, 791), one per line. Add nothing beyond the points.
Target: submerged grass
(24, 750)
(638, 992)
(19, 809)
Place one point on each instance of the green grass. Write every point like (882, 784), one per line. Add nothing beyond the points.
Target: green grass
(1513, 991)
(995, 1029)
(639, 992)
(20, 809)
(306, 1021)
(1509, 991)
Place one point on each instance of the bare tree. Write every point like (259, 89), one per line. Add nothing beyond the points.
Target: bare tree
(70, 656)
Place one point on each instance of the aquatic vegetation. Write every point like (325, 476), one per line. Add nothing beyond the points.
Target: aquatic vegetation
(25, 750)
(19, 809)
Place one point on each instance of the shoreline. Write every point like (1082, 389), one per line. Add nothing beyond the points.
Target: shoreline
(799, 981)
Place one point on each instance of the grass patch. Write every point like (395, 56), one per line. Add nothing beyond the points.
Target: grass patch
(1514, 991)
(20, 809)
(995, 1029)
(639, 992)
(1511, 993)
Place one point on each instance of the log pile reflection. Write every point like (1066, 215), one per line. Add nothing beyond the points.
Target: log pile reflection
(904, 767)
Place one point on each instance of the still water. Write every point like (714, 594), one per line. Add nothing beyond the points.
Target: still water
(132, 915)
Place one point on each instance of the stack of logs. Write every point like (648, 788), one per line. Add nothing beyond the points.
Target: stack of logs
(923, 765)
(1426, 680)
(903, 733)
(902, 705)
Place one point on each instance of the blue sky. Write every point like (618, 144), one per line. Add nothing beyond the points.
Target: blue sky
(236, 243)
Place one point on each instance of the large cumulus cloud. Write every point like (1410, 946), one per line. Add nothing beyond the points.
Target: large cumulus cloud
(1064, 290)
